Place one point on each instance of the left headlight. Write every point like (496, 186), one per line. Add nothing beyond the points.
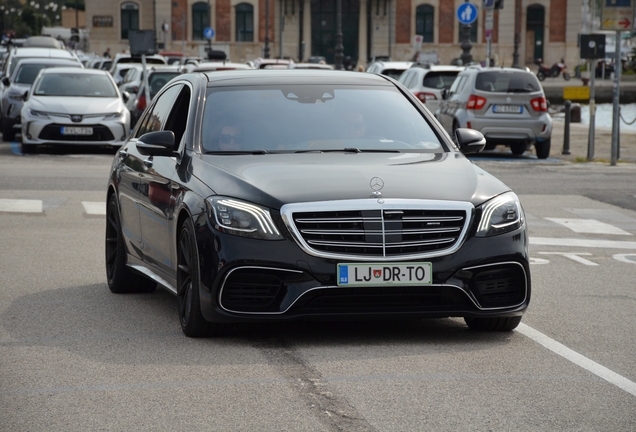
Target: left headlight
(242, 219)
(500, 215)
(113, 116)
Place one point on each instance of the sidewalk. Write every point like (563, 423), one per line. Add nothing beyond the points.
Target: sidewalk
(602, 143)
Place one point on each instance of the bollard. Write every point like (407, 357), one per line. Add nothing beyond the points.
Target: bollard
(566, 129)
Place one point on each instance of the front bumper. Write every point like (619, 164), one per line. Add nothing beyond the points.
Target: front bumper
(255, 280)
(36, 131)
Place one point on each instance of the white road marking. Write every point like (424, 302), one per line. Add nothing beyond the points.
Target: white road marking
(578, 359)
(94, 208)
(625, 258)
(21, 206)
(589, 226)
(573, 242)
(573, 256)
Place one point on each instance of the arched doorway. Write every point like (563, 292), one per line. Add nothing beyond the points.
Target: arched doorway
(323, 28)
(535, 22)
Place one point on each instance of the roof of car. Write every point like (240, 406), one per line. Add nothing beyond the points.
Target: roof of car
(441, 68)
(295, 76)
(75, 71)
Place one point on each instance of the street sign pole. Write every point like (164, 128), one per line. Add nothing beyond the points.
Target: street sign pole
(615, 110)
(591, 131)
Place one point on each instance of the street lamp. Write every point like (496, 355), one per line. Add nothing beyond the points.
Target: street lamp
(339, 54)
(266, 50)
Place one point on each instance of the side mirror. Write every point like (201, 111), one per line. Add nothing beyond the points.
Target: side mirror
(444, 94)
(6, 81)
(469, 140)
(160, 143)
(125, 96)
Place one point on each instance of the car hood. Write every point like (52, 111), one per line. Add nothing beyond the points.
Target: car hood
(75, 105)
(277, 179)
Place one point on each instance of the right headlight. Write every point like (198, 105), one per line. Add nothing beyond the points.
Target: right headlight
(500, 215)
(38, 114)
(242, 218)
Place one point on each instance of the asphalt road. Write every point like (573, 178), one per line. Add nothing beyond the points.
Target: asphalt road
(74, 357)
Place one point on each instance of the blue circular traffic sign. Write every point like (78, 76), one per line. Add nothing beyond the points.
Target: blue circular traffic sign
(208, 33)
(467, 13)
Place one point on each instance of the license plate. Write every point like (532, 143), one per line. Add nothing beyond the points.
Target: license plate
(508, 109)
(370, 274)
(77, 131)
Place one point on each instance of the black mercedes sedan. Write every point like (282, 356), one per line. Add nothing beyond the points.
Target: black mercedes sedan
(307, 194)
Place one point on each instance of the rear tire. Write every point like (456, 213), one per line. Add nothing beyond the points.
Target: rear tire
(518, 149)
(121, 280)
(541, 76)
(543, 149)
(27, 148)
(566, 76)
(493, 324)
(8, 133)
(193, 323)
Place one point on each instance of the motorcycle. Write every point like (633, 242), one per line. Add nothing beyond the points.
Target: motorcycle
(557, 69)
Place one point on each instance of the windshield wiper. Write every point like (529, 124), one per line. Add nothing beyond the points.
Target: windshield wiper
(237, 152)
(348, 150)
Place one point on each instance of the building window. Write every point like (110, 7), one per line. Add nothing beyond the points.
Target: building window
(424, 22)
(244, 22)
(200, 20)
(129, 18)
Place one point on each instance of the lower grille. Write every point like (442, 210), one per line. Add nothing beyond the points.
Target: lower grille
(54, 133)
(250, 290)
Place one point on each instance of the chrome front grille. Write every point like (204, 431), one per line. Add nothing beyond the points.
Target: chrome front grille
(392, 229)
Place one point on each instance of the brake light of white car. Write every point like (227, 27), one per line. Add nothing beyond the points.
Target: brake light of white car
(141, 102)
(424, 96)
(539, 104)
(475, 102)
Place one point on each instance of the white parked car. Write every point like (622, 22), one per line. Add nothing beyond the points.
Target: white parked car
(74, 106)
(427, 82)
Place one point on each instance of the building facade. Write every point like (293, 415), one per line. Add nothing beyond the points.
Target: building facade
(297, 29)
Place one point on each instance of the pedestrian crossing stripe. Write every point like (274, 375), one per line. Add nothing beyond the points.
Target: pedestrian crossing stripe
(94, 208)
(20, 206)
(36, 206)
(589, 226)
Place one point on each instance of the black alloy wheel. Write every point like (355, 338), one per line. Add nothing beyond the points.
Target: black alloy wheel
(121, 280)
(8, 133)
(193, 323)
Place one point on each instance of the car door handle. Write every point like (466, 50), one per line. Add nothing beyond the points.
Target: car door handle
(122, 153)
(148, 162)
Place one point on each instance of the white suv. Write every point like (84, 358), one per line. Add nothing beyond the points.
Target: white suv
(391, 69)
(427, 81)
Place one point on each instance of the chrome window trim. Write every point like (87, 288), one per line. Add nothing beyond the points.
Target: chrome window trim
(288, 210)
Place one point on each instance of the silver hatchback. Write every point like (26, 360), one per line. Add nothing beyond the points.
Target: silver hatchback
(508, 106)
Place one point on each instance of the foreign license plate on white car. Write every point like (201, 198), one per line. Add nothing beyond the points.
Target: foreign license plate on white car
(73, 130)
(508, 109)
(374, 274)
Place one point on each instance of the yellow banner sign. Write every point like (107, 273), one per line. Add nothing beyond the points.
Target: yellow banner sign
(576, 93)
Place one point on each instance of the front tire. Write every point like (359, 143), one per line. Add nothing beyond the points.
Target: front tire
(493, 324)
(541, 76)
(193, 323)
(121, 280)
(566, 76)
(8, 133)
(543, 149)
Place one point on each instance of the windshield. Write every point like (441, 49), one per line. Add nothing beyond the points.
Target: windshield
(27, 73)
(72, 84)
(307, 118)
(507, 82)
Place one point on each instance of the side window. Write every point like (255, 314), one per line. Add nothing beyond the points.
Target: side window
(457, 84)
(405, 77)
(156, 117)
(178, 117)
